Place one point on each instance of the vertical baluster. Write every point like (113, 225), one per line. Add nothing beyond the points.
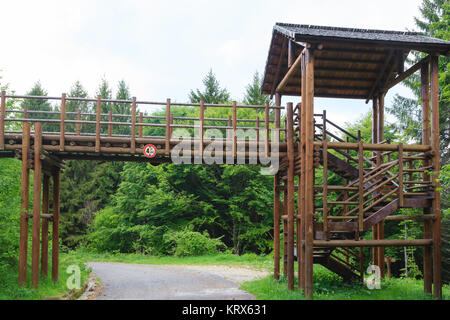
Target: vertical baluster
(360, 185)
(78, 126)
(167, 150)
(400, 174)
(133, 126)
(325, 173)
(110, 119)
(62, 122)
(2, 120)
(97, 125)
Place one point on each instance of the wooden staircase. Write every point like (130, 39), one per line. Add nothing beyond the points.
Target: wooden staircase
(380, 199)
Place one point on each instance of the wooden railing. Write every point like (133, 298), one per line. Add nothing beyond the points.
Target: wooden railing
(101, 122)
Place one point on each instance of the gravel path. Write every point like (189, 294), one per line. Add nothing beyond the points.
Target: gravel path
(123, 281)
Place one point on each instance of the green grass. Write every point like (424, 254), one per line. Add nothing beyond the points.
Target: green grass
(328, 286)
(258, 261)
(11, 290)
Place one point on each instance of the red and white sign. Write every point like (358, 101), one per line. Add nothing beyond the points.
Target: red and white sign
(149, 151)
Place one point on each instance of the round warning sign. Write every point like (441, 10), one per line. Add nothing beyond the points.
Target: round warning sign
(149, 151)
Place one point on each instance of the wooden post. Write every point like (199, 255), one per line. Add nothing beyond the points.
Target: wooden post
(78, 125)
(276, 205)
(36, 205)
(25, 183)
(400, 175)
(234, 129)
(309, 175)
(2, 120)
(167, 151)
(133, 126)
(360, 186)
(141, 127)
(45, 210)
(171, 127)
(285, 228)
(276, 226)
(55, 227)
(257, 130)
(97, 125)
(325, 173)
(375, 154)
(436, 204)
(427, 251)
(388, 263)
(266, 119)
(62, 129)
(201, 129)
(302, 183)
(110, 119)
(290, 201)
(380, 226)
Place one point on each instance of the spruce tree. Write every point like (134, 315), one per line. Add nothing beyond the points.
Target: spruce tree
(253, 95)
(212, 92)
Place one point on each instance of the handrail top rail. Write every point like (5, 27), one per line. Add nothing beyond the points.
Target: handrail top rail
(81, 99)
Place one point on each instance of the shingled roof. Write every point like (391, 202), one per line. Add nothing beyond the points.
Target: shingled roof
(349, 62)
(301, 32)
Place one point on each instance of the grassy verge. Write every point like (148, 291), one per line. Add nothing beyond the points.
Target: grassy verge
(258, 261)
(11, 290)
(328, 286)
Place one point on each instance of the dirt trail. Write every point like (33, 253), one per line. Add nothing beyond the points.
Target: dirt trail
(124, 281)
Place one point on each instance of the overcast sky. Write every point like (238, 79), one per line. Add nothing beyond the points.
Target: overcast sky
(164, 48)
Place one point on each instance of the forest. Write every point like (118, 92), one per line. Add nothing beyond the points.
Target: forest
(194, 210)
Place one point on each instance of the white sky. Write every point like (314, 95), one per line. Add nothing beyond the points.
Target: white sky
(164, 48)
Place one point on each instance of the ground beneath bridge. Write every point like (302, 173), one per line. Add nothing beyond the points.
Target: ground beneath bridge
(123, 281)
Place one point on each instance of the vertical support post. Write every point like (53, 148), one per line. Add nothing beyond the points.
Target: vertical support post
(229, 126)
(257, 130)
(44, 241)
(436, 204)
(110, 119)
(375, 154)
(427, 250)
(97, 125)
(167, 151)
(62, 129)
(360, 186)
(36, 205)
(133, 126)
(276, 226)
(55, 227)
(171, 127)
(234, 129)
(25, 183)
(141, 127)
(285, 228)
(325, 173)
(2, 119)
(309, 174)
(266, 119)
(78, 125)
(302, 183)
(361, 264)
(400, 175)
(290, 194)
(380, 226)
(201, 129)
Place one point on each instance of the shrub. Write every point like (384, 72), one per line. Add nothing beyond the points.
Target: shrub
(191, 243)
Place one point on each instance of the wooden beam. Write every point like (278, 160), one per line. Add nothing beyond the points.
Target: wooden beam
(133, 126)
(436, 206)
(289, 74)
(55, 227)
(380, 75)
(25, 183)
(427, 227)
(62, 125)
(278, 68)
(373, 243)
(36, 205)
(97, 125)
(309, 181)
(290, 195)
(45, 210)
(407, 73)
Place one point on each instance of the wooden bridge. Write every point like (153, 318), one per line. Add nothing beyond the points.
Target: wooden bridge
(345, 187)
